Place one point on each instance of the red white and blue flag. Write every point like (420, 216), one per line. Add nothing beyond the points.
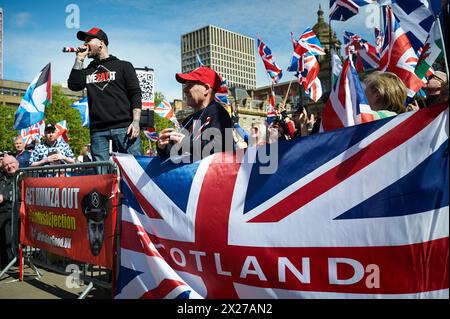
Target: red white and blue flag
(221, 95)
(347, 104)
(308, 44)
(151, 134)
(367, 56)
(32, 133)
(273, 70)
(164, 109)
(311, 42)
(271, 114)
(342, 10)
(308, 77)
(367, 217)
(61, 130)
(398, 56)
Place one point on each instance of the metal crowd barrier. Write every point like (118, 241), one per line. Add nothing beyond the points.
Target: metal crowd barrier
(91, 274)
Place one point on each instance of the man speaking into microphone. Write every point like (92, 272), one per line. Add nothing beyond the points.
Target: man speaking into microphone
(114, 96)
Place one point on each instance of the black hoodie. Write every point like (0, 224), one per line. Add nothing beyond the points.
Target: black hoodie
(113, 92)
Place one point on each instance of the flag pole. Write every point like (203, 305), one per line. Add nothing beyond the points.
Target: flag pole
(287, 93)
(329, 52)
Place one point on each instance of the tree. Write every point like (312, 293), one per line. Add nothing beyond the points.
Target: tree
(160, 124)
(60, 110)
(7, 133)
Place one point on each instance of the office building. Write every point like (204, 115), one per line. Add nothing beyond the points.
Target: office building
(230, 54)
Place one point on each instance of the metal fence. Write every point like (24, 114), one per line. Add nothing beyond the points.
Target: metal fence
(92, 275)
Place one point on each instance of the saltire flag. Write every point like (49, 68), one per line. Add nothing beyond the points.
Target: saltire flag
(432, 50)
(198, 60)
(36, 98)
(32, 133)
(273, 71)
(336, 66)
(436, 6)
(398, 56)
(415, 19)
(342, 10)
(334, 228)
(83, 108)
(61, 130)
(164, 109)
(347, 104)
(151, 134)
(271, 115)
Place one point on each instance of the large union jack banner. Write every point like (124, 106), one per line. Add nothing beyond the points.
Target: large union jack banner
(359, 212)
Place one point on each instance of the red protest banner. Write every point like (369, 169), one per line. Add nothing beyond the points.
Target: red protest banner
(71, 216)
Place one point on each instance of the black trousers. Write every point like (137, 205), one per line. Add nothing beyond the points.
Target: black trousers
(6, 241)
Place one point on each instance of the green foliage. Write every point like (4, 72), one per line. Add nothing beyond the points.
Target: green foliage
(6, 128)
(160, 124)
(61, 109)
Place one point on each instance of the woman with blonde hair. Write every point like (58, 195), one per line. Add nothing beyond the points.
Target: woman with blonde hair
(385, 93)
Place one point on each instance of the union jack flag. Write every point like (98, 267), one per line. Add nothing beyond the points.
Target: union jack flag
(379, 38)
(347, 104)
(308, 77)
(308, 44)
(314, 91)
(398, 56)
(271, 107)
(367, 56)
(61, 131)
(221, 95)
(342, 10)
(324, 225)
(311, 41)
(151, 134)
(274, 72)
(32, 133)
(164, 109)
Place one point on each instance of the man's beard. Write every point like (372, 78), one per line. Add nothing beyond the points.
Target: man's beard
(96, 247)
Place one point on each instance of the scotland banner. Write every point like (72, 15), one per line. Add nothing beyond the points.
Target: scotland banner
(359, 212)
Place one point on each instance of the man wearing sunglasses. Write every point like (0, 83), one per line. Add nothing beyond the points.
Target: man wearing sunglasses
(436, 83)
(114, 96)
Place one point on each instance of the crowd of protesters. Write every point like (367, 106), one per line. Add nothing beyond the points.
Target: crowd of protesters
(385, 92)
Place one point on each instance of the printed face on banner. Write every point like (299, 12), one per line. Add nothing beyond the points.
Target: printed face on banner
(94, 209)
(70, 216)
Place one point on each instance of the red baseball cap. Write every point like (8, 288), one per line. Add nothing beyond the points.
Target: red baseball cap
(202, 74)
(93, 33)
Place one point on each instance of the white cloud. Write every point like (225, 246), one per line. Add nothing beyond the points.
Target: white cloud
(21, 20)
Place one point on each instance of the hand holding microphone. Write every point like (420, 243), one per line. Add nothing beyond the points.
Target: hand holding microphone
(81, 51)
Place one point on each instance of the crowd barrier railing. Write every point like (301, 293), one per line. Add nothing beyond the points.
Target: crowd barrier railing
(69, 255)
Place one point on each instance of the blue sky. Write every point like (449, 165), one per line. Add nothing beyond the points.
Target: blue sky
(147, 32)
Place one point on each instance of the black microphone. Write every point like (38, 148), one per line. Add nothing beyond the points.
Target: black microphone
(69, 49)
